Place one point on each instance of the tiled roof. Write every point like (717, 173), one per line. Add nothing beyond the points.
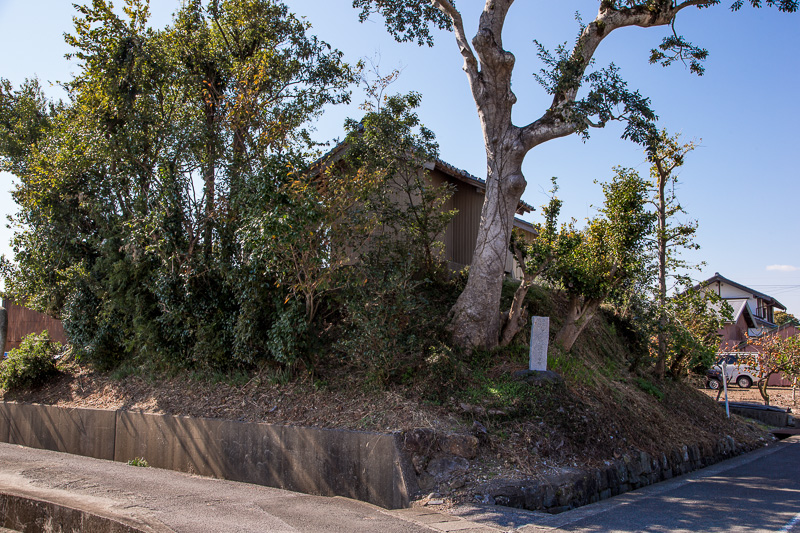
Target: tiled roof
(465, 176)
(740, 306)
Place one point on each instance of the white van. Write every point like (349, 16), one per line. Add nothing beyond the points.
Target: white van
(737, 371)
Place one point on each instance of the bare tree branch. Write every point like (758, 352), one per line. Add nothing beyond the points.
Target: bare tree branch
(470, 62)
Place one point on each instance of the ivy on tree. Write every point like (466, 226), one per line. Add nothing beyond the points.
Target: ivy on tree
(535, 256)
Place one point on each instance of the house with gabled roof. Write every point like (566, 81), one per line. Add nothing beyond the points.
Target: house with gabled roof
(753, 315)
(733, 333)
(461, 234)
(754, 311)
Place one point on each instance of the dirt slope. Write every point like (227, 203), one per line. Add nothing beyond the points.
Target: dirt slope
(600, 412)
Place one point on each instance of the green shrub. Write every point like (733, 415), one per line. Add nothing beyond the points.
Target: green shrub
(286, 337)
(32, 364)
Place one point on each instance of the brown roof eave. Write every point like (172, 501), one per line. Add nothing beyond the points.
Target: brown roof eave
(466, 177)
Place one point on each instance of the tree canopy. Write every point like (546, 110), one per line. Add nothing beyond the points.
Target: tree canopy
(132, 192)
(582, 98)
(175, 213)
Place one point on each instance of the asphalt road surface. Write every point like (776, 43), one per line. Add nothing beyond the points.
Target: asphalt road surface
(759, 492)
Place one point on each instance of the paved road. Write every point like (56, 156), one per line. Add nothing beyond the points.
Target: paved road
(759, 492)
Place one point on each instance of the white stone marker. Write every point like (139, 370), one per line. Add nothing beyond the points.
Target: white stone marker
(540, 338)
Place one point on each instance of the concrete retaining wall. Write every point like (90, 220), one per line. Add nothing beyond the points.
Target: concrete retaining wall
(771, 417)
(359, 465)
(88, 432)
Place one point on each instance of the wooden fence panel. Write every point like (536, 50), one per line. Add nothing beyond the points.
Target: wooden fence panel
(22, 321)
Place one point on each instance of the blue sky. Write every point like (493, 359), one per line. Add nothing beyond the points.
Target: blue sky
(741, 184)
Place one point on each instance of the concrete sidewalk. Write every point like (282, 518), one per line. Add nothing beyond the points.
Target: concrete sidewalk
(162, 501)
(155, 500)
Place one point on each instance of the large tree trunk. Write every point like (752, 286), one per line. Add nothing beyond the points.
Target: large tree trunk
(578, 316)
(209, 180)
(476, 315)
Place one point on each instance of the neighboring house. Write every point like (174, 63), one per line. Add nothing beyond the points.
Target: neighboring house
(734, 333)
(753, 311)
(22, 321)
(753, 315)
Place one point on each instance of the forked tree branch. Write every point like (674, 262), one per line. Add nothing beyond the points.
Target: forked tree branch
(553, 123)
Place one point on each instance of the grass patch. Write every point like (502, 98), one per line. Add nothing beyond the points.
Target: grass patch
(570, 366)
(649, 388)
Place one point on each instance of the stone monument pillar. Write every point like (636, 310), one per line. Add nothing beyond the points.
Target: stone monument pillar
(540, 339)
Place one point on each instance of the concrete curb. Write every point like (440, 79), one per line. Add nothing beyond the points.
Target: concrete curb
(364, 466)
(24, 513)
(443, 522)
(771, 416)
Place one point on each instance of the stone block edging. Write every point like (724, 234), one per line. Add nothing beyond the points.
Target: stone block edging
(360, 465)
(574, 487)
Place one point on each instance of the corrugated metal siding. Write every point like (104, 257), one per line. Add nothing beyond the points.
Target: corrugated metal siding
(461, 234)
(22, 321)
(437, 179)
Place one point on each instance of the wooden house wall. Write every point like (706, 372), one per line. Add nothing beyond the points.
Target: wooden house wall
(788, 331)
(462, 233)
(732, 334)
(22, 321)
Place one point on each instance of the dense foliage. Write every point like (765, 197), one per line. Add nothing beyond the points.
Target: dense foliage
(608, 255)
(31, 364)
(169, 210)
(175, 214)
(132, 192)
